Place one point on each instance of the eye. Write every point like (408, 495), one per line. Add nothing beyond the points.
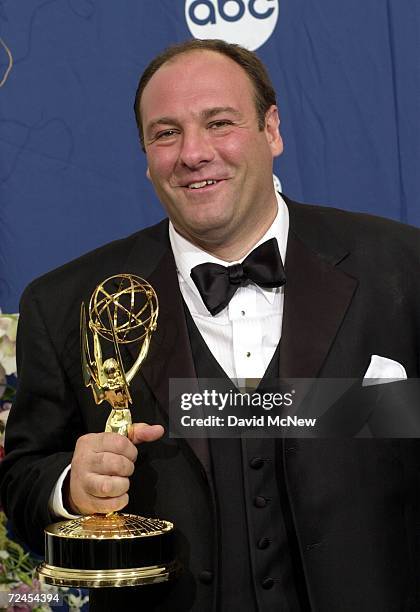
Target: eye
(165, 134)
(220, 123)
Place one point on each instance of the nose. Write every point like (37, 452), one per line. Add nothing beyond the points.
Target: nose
(196, 148)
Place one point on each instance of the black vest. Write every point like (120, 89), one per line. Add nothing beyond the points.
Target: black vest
(259, 566)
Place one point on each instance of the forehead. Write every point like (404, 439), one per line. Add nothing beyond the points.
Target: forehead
(196, 80)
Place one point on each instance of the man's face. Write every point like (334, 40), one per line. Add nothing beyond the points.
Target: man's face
(209, 163)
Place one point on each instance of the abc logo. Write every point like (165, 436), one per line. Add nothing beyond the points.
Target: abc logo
(249, 23)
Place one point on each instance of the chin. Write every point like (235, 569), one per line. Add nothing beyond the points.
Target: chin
(208, 227)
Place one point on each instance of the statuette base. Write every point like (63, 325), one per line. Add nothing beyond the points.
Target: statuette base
(112, 550)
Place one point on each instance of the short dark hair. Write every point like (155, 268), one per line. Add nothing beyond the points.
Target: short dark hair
(265, 96)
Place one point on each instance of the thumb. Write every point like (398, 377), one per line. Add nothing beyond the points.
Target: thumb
(142, 432)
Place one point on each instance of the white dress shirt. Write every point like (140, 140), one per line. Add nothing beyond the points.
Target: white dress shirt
(243, 336)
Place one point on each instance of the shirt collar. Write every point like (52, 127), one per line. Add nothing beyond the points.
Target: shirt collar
(187, 255)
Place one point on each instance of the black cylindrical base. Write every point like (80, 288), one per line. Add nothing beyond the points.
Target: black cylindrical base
(115, 550)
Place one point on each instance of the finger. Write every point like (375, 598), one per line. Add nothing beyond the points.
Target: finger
(111, 464)
(114, 443)
(111, 505)
(103, 505)
(97, 485)
(142, 432)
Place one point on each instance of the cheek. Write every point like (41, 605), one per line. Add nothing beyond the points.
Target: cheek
(161, 165)
(236, 149)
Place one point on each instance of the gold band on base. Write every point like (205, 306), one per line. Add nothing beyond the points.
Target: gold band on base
(90, 579)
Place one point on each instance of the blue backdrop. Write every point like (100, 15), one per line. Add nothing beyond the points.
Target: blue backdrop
(72, 174)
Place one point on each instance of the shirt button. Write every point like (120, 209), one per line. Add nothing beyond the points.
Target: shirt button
(263, 543)
(248, 354)
(243, 313)
(206, 577)
(256, 463)
(260, 502)
(267, 583)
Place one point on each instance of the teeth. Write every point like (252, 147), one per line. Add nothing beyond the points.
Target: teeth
(201, 184)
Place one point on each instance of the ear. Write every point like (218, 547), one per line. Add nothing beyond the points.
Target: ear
(272, 124)
(148, 173)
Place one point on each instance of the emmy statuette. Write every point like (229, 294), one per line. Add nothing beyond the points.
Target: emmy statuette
(115, 549)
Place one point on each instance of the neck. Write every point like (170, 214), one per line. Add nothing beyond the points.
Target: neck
(234, 249)
(233, 246)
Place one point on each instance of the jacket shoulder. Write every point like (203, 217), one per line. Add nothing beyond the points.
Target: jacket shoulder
(353, 230)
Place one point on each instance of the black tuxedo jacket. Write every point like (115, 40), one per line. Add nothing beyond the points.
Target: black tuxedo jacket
(352, 291)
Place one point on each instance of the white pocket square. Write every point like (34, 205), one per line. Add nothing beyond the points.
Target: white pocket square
(381, 368)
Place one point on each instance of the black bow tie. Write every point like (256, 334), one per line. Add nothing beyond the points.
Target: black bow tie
(217, 284)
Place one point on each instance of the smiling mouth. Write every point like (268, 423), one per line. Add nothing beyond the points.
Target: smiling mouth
(201, 184)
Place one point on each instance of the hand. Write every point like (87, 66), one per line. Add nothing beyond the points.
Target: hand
(101, 466)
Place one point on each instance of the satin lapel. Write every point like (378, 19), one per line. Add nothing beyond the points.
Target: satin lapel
(170, 351)
(317, 296)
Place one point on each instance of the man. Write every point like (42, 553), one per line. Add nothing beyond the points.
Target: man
(325, 525)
